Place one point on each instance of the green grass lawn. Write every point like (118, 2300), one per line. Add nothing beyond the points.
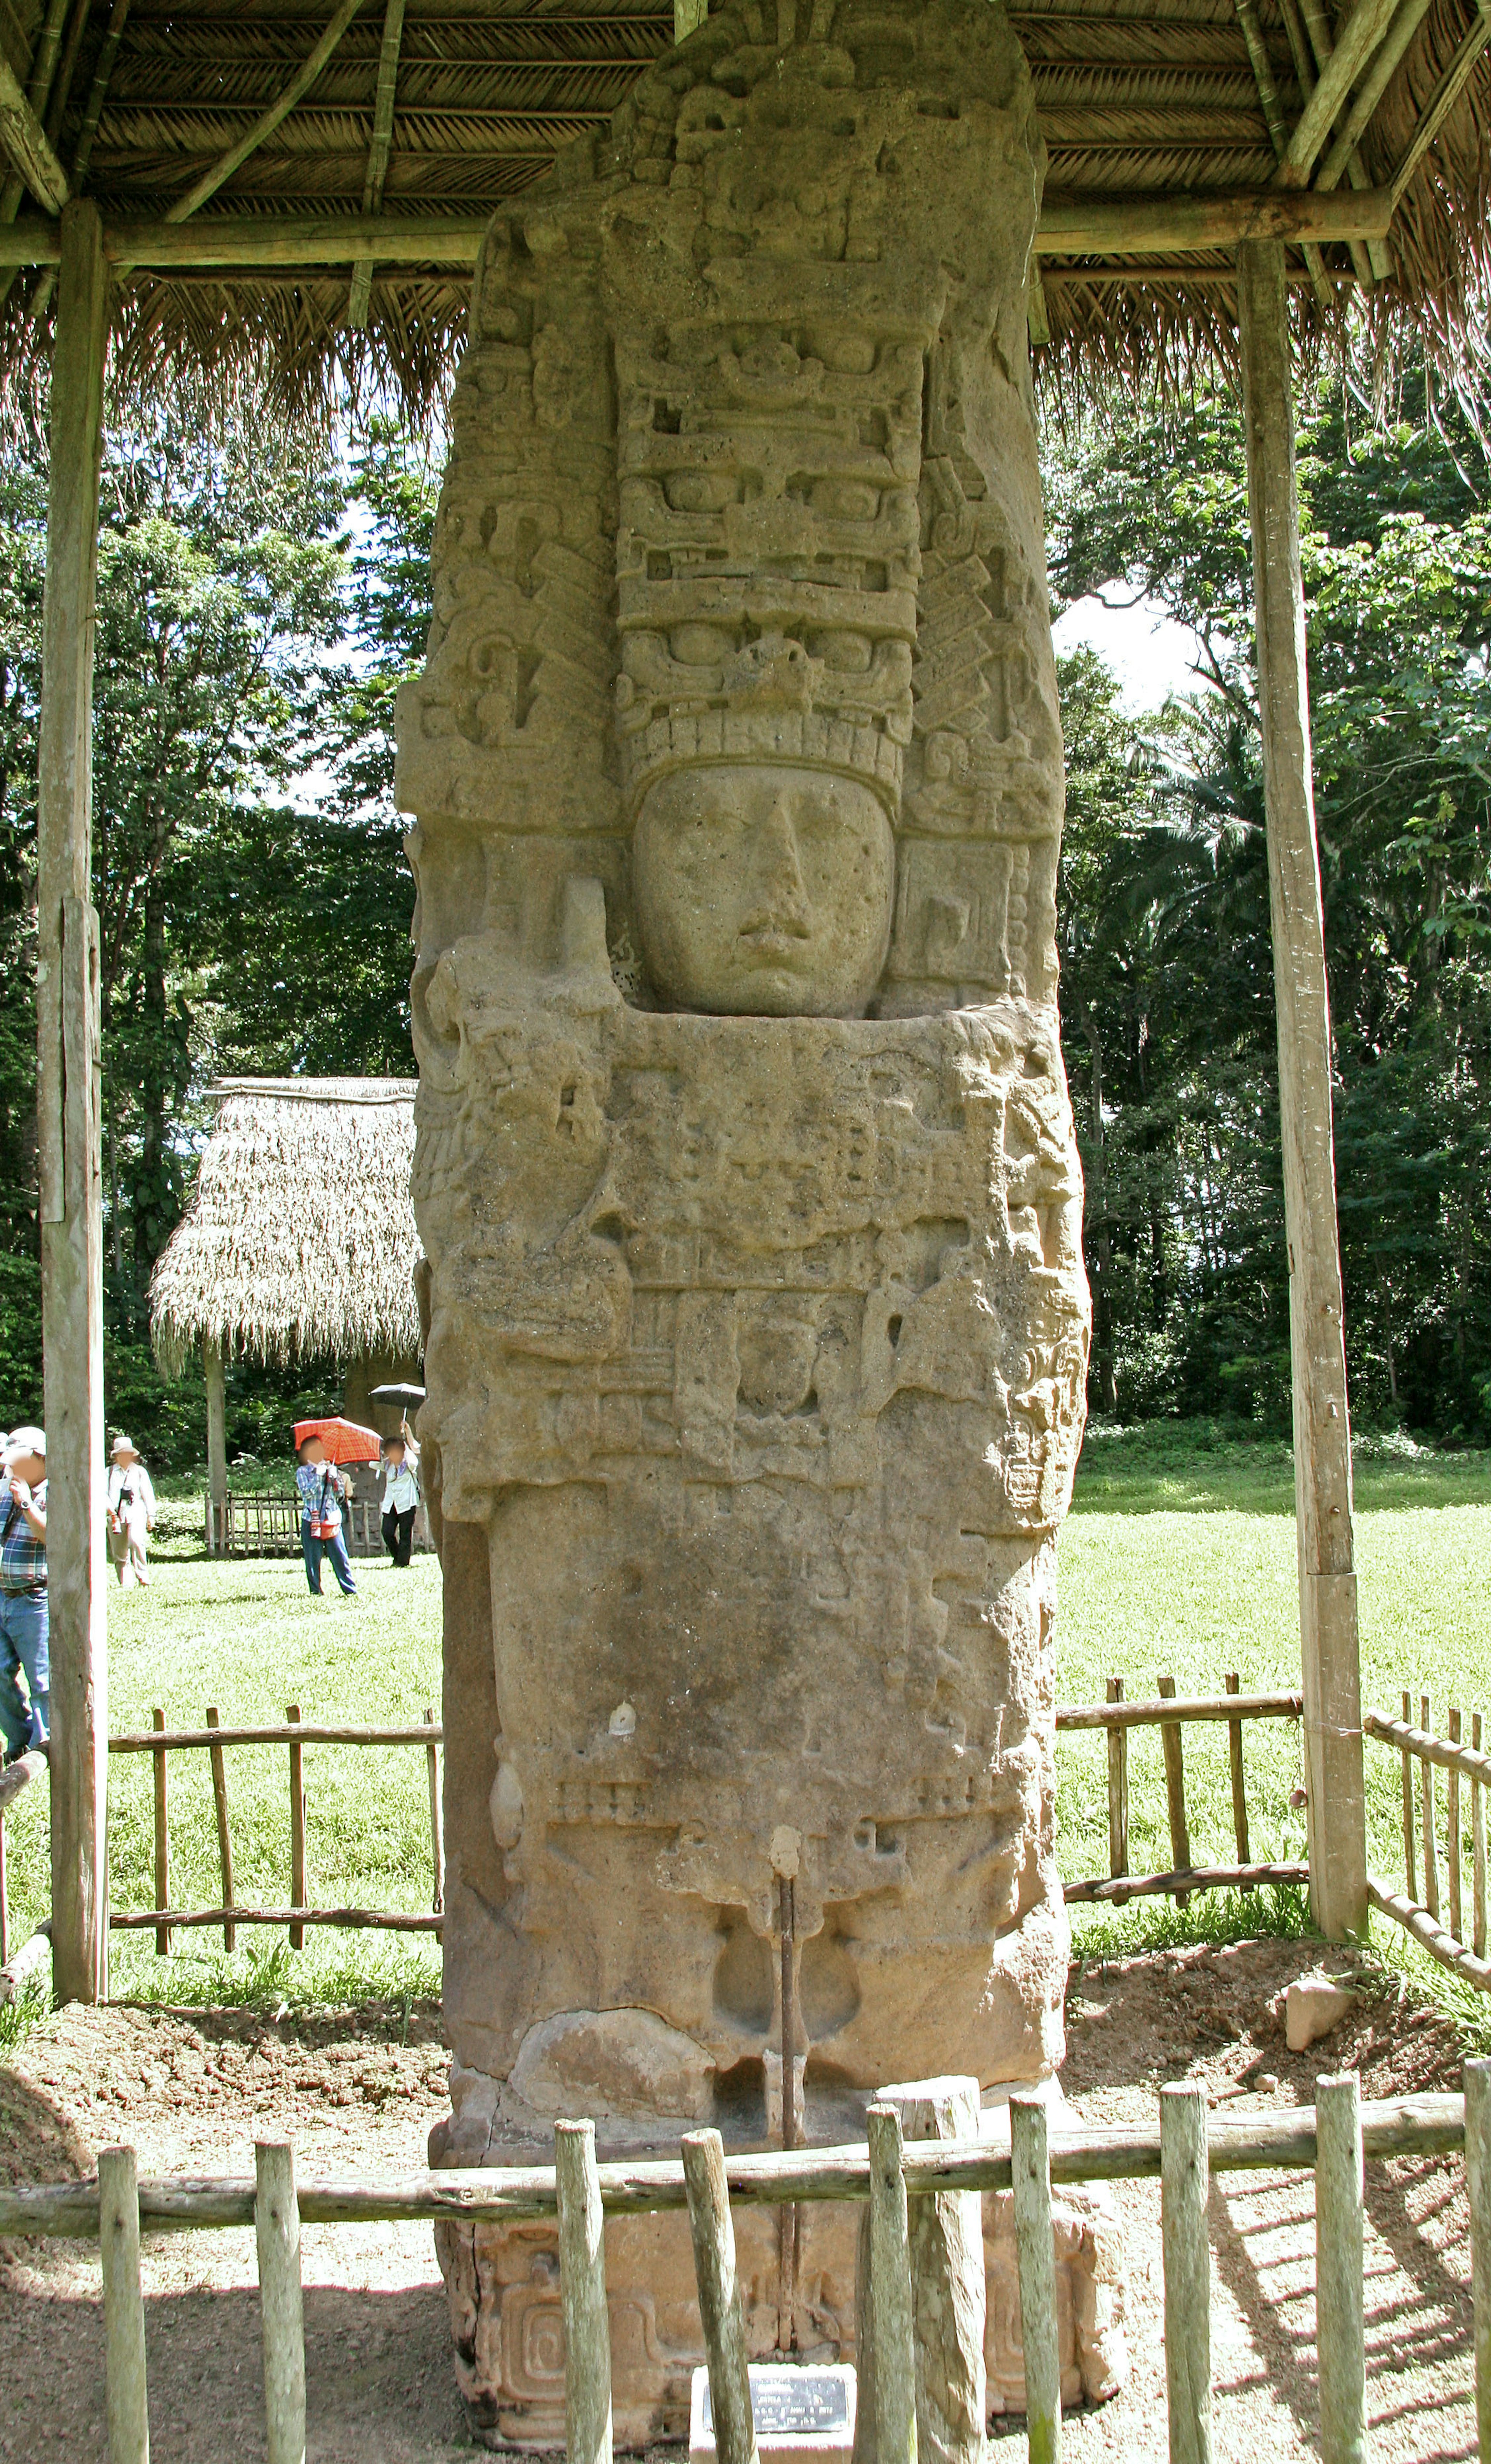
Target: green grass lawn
(1178, 1560)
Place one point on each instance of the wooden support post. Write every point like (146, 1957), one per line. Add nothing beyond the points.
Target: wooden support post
(1339, 2342)
(1117, 1788)
(1452, 1839)
(1240, 1795)
(126, 2399)
(276, 2231)
(297, 1898)
(720, 2314)
(587, 2326)
(1431, 1824)
(1334, 1783)
(949, 2297)
(163, 1839)
(67, 1124)
(1477, 2191)
(1477, 1850)
(1031, 2177)
(1175, 1791)
(225, 1845)
(1410, 1860)
(437, 1845)
(1184, 2183)
(892, 2357)
(214, 1374)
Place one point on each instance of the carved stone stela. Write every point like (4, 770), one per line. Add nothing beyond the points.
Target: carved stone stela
(746, 1171)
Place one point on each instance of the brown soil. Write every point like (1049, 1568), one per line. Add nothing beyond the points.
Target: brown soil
(191, 2090)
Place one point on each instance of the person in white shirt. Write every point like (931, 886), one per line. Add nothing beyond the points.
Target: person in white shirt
(400, 1494)
(131, 1505)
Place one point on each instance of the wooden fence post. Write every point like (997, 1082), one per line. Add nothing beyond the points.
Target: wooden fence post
(68, 1123)
(1335, 1790)
(1410, 1860)
(437, 1845)
(1451, 1835)
(277, 2231)
(1478, 2188)
(1338, 2337)
(1031, 2177)
(1239, 1796)
(214, 1377)
(5, 1903)
(587, 2326)
(225, 1845)
(163, 1839)
(720, 2315)
(948, 2291)
(1184, 2182)
(297, 1885)
(892, 2356)
(123, 2308)
(1175, 1791)
(1477, 1850)
(1430, 1787)
(1117, 1788)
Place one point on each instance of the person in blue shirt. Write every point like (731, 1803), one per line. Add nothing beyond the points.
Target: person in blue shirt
(24, 1718)
(321, 1488)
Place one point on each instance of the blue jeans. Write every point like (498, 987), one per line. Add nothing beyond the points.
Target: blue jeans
(336, 1548)
(23, 1646)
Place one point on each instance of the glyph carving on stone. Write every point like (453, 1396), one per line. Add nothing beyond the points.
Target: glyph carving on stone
(746, 1169)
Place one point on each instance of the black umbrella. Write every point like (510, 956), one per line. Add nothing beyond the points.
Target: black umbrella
(406, 1395)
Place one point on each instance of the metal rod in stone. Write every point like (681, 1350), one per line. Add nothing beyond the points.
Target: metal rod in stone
(1031, 2165)
(276, 2225)
(1187, 2272)
(720, 2315)
(895, 2373)
(587, 2332)
(1339, 2232)
(123, 2308)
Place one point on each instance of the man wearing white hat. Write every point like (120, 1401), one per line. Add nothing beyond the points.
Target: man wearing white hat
(24, 1718)
(131, 1505)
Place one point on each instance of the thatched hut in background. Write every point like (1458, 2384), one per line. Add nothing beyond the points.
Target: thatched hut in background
(300, 1243)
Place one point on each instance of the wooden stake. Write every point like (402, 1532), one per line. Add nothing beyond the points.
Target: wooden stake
(1184, 2184)
(213, 1375)
(1031, 2174)
(437, 1845)
(587, 2328)
(1430, 1822)
(1339, 2211)
(225, 1845)
(1477, 2188)
(1334, 1782)
(1117, 1788)
(1175, 1791)
(1477, 1850)
(162, 1840)
(123, 2308)
(305, 76)
(360, 294)
(1451, 1826)
(720, 2314)
(5, 1903)
(276, 2231)
(1410, 1856)
(894, 2372)
(1240, 1795)
(68, 1123)
(297, 1898)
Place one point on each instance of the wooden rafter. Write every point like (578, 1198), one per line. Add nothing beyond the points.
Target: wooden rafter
(1317, 48)
(1442, 101)
(360, 296)
(305, 77)
(27, 143)
(1400, 34)
(1339, 71)
(1278, 125)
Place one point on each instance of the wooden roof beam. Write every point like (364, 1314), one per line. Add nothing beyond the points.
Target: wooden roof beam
(305, 77)
(1313, 51)
(360, 296)
(1443, 100)
(1364, 29)
(26, 142)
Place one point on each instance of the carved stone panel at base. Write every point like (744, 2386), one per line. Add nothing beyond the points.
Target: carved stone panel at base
(1090, 2298)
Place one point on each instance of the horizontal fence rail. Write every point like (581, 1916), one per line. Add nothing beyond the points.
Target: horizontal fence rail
(1436, 1920)
(1190, 2144)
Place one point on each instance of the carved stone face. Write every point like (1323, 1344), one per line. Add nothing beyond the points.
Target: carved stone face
(764, 890)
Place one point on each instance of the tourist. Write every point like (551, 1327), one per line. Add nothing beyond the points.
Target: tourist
(23, 1595)
(131, 1509)
(400, 1494)
(321, 1488)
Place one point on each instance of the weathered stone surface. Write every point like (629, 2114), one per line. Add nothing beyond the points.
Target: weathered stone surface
(746, 1171)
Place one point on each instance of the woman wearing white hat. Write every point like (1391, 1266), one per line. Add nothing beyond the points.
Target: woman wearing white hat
(131, 1512)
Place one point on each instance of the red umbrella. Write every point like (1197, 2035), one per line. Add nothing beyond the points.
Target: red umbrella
(345, 1441)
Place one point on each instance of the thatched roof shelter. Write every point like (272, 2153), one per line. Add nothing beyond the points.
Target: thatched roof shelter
(429, 113)
(300, 1242)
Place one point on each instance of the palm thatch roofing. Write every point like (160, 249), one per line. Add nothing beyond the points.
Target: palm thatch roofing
(1137, 98)
(300, 1239)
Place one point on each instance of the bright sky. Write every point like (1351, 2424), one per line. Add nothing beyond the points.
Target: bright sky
(1148, 653)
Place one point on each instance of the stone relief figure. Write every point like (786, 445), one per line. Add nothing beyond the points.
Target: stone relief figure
(746, 1169)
